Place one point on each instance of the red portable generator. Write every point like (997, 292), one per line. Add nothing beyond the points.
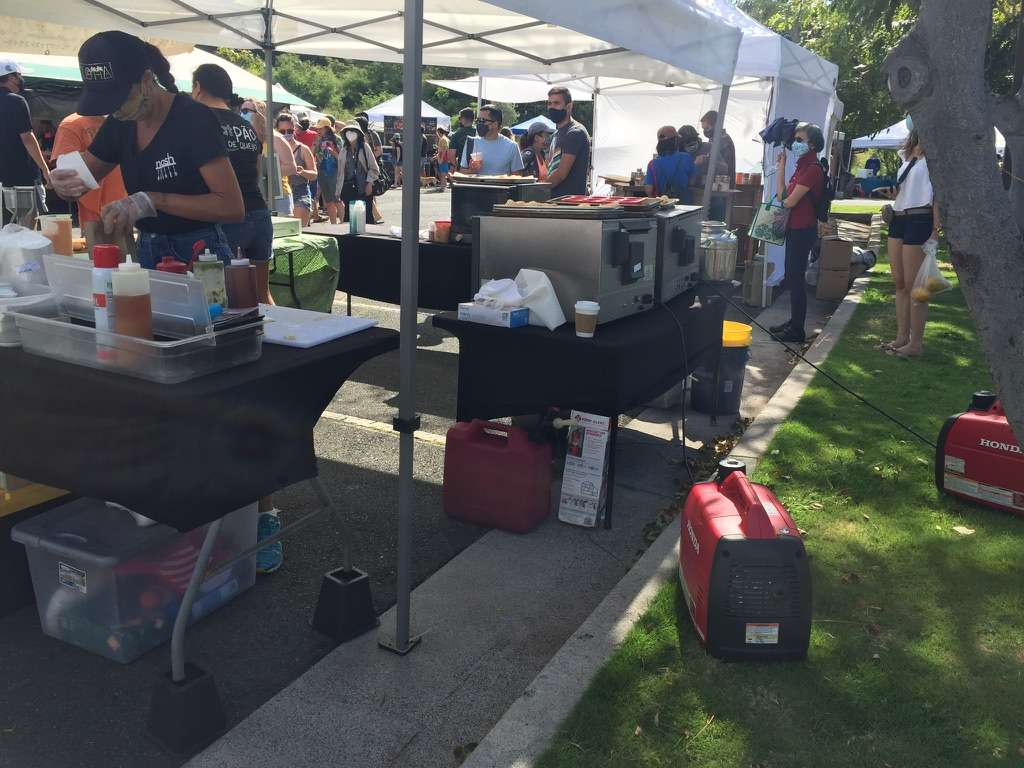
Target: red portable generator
(978, 458)
(744, 570)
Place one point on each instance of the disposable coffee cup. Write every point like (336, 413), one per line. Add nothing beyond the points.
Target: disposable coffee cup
(586, 318)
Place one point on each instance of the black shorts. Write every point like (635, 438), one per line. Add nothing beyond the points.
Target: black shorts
(912, 229)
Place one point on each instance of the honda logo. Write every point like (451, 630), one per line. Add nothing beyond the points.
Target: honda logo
(1005, 447)
(693, 537)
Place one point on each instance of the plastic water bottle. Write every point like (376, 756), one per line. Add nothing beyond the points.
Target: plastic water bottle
(357, 218)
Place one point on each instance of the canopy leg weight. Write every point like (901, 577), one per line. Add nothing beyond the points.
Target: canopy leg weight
(344, 609)
(186, 716)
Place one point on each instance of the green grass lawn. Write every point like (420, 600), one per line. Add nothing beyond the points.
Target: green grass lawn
(917, 649)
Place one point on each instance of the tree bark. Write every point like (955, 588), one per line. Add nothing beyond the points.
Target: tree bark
(938, 74)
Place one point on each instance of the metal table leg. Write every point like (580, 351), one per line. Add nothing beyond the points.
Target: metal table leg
(181, 622)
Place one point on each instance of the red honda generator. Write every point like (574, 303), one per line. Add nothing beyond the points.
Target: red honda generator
(978, 459)
(744, 570)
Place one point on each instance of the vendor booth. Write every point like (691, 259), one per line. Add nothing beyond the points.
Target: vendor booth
(659, 41)
(895, 136)
(387, 117)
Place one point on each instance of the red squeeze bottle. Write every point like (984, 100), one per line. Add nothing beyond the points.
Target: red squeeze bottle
(172, 265)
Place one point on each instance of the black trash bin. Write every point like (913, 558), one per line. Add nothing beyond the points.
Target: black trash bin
(732, 368)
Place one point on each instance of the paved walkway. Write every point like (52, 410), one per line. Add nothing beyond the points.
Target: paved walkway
(492, 618)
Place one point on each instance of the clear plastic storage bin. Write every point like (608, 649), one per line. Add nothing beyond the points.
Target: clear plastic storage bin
(31, 299)
(187, 345)
(112, 587)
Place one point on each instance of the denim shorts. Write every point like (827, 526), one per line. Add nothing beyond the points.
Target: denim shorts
(314, 189)
(255, 236)
(154, 246)
(912, 229)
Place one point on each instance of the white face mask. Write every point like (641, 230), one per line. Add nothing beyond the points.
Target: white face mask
(351, 136)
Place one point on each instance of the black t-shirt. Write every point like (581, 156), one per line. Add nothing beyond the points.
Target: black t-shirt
(244, 152)
(189, 138)
(16, 167)
(572, 139)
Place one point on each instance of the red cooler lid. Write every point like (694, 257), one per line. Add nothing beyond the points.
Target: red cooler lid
(106, 256)
(171, 264)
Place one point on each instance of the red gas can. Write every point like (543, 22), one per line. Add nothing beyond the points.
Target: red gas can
(494, 475)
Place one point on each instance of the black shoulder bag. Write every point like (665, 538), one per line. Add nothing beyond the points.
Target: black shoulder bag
(887, 210)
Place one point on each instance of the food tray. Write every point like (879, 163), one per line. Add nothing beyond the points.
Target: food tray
(634, 203)
(55, 335)
(559, 212)
(31, 298)
(506, 180)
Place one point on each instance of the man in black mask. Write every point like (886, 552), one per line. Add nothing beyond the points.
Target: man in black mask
(21, 159)
(569, 154)
(726, 155)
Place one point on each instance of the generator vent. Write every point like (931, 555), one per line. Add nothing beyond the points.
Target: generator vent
(763, 591)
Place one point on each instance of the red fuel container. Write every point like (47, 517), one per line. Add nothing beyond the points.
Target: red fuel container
(495, 476)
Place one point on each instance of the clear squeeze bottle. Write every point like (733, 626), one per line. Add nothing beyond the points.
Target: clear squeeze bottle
(133, 308)
(209, 270)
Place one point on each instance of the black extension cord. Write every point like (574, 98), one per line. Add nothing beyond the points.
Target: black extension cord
(827, 375)
(686, 383)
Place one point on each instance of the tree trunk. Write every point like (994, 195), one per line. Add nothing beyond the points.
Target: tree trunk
(938, 73)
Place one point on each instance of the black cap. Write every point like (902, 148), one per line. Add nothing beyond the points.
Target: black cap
(111, 63)
(727, 466)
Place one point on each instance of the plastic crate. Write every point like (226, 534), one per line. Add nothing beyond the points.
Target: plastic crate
(112, 587)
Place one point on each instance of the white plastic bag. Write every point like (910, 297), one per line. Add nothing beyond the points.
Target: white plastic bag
(499, 294)
(21, 256)
(539, 296)
(929, 282)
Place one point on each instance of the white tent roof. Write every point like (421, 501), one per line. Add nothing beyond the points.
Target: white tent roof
(246, 84)
(895, 135)
(524, 126)
(393, 108)
(689, 43)
(762, 54)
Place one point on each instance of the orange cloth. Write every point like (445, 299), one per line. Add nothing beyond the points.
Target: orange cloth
(75, 134)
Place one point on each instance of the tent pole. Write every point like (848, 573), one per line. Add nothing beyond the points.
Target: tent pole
(408, 421)
(716, 146)
(268, 74)
(479, 90)
(593, 139)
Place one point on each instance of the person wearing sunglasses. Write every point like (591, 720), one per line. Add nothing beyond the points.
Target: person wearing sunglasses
(305, 169)
(497, 155)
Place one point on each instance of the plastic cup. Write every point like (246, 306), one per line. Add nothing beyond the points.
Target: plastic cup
(57, 229)
(442, 231)
(586, 318)
(476, 161)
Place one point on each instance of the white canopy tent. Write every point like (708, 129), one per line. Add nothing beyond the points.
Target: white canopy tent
(524, 126)
(896, 134)
(774, 78)
(246, 84)
(393, 108)
(680, 41)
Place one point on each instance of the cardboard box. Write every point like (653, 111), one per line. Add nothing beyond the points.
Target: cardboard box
(503, 318)
(835, 253)
(833, 284)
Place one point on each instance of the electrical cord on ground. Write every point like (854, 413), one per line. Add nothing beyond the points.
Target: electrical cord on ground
(827, 375)
(686, 382)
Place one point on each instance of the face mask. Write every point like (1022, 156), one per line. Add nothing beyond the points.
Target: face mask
(691, 146)
(304, 125)
(351, 136)
(289, 134)
(482, 127)
(668, 146)
(799, 148)
(709, 132)
(910, 123)
(247, 116)
(135, 105)
(557, 115)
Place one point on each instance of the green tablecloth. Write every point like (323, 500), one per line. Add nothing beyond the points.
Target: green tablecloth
(314, 274)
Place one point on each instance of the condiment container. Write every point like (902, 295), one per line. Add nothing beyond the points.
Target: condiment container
(209, 270)
(133, 309)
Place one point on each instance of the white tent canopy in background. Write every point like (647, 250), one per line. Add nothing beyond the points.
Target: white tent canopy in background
(896, 134)
(245, 84)
(524, 126)
(393, 108)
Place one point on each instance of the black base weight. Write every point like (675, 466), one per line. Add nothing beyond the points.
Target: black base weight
(187, 716)
(345, 607)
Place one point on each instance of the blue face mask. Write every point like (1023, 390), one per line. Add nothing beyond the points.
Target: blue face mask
(910, 123)
(247, 116)
(799, 148)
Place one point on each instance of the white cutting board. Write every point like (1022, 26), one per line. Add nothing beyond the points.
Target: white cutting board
(303, 328)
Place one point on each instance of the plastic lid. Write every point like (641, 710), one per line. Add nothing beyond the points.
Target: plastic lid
(171, 264)
(216, 310)
(239, 262)
(129, 266)
(736, 334)
(727, 466)
(106, 256)
(207, 256)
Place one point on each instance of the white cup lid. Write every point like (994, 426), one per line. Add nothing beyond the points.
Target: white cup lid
(588, 306)
(239, 262)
